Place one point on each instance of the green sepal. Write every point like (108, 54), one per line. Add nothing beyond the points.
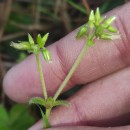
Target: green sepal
(82, 31)
(47, 103)
(30, 39)
(45, 120)
(21, 46)
(50, 103)
(46, 55)
(106, 36)
(90, 43)
(38, 101)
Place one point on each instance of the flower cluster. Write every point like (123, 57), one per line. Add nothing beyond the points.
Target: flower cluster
(31, 47)
(98, 28)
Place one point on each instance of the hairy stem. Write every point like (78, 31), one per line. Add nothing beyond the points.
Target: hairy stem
(47, 124)
(41, 75)
(48, 111)
(72, 70)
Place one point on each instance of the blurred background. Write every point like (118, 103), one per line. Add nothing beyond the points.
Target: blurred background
(19, 17)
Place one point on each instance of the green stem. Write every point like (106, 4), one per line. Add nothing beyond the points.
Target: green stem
(41, 75)
(72, 70)
(48, 111)
(47, 124)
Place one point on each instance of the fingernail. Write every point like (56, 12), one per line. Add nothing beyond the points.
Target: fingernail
(37, 126)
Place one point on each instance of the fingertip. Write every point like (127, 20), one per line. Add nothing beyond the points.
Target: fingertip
(16, 83)
(10, 82)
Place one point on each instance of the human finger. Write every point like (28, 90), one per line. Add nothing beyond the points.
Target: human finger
(22, 81)
(85, 128)
(104, 102)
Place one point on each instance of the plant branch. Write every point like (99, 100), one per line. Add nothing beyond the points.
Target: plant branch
(72, 70)
(41, 75)
(12, 36)
(6, 8)
(47, 124)
(86, 6)
(48, 111)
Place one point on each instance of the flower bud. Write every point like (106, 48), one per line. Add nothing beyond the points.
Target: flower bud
(109, 21)
(44, 39)
(91, 19)
(112, 29)
(97, 17)
(30, 39)
(21, 45)
(82, 31)
(39, 39)
(91, 16)
(46, 54)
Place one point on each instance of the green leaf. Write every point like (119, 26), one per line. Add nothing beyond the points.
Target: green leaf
(30, 39)
(38, 101)
(4, 127)
(61, 103)
(77, 6)
(50, 14)
(45, 120)
(19, 118)
(109, 5)
(21, 46)
(4, 118)
(21, 57)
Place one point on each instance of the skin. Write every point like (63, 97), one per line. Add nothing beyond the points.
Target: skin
(104, 101)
